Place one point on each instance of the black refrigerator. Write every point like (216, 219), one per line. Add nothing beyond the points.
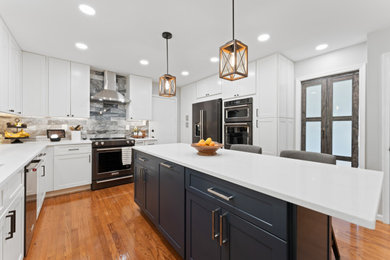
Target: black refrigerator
(207, 120)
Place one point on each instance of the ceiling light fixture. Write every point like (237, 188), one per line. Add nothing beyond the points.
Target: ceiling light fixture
(214, 59)
(81, 46)
(263, 37)
(322, 47)
(167, 84)
(233, 58)
(144, 62)
(86, 9)
(185, 73)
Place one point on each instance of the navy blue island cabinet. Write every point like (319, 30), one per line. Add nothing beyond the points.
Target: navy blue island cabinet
(206, 218)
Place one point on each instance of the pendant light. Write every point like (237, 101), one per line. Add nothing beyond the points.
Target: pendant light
(233, 58)
(167, 86)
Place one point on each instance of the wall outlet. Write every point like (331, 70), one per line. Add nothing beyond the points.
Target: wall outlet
(127, 127)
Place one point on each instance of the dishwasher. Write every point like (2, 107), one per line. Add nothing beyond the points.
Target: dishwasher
(31, 175)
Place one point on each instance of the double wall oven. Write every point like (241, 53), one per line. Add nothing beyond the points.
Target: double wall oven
(238, 122)
(108, 167)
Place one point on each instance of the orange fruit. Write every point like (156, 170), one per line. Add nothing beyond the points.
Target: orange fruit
(202, 143)
(212, 144)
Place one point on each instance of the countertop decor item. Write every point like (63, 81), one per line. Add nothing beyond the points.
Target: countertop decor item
(233, 58)
(55, 135)
(18, 133)
(207, 150)
(167, 86)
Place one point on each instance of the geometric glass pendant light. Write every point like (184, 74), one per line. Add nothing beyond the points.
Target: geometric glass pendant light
(233, 58)
(167, 84)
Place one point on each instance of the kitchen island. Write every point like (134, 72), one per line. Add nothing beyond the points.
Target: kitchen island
(239, 205)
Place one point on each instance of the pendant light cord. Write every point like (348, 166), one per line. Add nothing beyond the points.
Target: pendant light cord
(233, 16)
(167, 55)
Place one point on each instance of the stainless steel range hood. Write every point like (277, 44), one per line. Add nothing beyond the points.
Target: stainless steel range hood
(110, 92)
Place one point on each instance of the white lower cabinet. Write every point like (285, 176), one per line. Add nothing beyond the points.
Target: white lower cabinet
(72, 166)
(12, 229)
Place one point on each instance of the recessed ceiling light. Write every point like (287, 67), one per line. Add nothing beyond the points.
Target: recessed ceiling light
(86, 9)
(214, 59)
(144, 62)
(321, 47)
(263, 37)
(185, 73)
(81, 46)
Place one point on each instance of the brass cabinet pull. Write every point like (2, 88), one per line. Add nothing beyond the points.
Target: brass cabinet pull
(221, 240)
(213, 235)
(166, 165)
(222, 196)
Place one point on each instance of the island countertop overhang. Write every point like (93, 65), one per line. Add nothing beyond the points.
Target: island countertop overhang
(347, 193)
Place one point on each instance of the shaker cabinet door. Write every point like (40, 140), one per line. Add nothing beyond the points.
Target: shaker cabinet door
(172, 204)
(243, 240)
(59, 88)
(202, 229)
(139, 185)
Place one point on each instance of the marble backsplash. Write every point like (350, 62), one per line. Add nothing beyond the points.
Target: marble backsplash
(103, 127)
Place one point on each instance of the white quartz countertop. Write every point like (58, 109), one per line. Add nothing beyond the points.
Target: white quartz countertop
(13, 157)
(347, 193)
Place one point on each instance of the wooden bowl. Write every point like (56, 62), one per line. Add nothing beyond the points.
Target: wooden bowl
(207, 150)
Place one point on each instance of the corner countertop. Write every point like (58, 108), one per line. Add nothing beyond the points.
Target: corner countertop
(14, 157)
(350, 194)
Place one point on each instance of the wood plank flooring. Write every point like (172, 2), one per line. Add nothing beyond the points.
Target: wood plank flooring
(107, 224)
(104, 224)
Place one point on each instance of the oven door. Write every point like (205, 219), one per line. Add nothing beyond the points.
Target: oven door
(239, 113)
(238, 133)
(108, 163)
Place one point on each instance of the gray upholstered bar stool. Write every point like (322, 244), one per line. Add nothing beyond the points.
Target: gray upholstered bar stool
(246, 148)
(320, 158)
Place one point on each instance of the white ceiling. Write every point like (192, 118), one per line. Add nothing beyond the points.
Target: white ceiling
(125, 31)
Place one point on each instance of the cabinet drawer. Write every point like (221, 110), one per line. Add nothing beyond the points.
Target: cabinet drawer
(72, 149)
(13, 186)
(146, 160)
(264, 211)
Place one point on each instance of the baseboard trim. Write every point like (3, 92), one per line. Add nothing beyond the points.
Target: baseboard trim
(68, 191)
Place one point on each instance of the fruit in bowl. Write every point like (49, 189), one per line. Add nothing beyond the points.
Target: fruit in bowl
(208, 147)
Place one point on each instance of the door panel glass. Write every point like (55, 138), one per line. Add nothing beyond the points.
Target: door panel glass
(313, 101)
(313, 137)
(237, 113)
(342, 138)
(342, 98)
(343, 163)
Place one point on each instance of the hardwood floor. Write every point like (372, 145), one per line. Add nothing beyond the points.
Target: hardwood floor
(107, 224)
(104, 224)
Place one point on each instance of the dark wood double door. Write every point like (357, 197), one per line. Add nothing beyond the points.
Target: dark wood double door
(330, 117)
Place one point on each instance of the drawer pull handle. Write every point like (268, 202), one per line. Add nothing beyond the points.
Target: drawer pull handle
(166, 165)
(73, 149)
(115, 179)
(221, 240)
(12, 215)
(222, 196)
(141, 159)
(213, 235)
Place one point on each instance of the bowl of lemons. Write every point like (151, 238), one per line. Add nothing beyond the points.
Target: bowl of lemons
(208, 147)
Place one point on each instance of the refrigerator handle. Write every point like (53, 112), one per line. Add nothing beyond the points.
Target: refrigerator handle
(201, 124)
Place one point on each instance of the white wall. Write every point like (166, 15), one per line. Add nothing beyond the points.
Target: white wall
(332, 61)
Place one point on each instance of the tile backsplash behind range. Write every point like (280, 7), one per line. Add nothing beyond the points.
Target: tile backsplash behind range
(105, 119)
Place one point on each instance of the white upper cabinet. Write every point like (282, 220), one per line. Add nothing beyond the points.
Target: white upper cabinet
(208, 87)
(276, 87)
(35, 85)
(4, 65)
(140, 107)
(241, 87)
(80, 90)
(14, 78)
(59, 88)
